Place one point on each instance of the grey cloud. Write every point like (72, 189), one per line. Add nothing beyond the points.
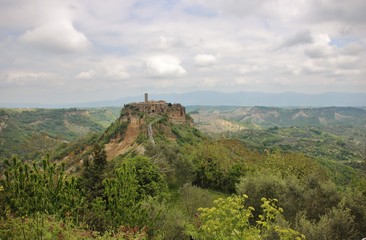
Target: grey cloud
(316, 52)
(300, 38)
(340, 11)
(354, 49)
(321, 47)
(242, 8)
(105, 50)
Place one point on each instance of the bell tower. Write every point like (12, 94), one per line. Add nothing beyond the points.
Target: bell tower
(146, 97)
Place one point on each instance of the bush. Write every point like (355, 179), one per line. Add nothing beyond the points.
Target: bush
(231, 219)
(338, 223)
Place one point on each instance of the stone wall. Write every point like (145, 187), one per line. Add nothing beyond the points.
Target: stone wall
(176, 112)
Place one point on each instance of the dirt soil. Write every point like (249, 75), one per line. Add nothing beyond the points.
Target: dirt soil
(116, 147)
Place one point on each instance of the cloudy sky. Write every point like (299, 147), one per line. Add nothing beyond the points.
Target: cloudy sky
(88, 50)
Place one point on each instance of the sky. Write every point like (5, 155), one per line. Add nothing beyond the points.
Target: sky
(69, 51)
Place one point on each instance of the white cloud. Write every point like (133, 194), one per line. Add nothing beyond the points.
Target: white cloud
(117, 71)
(204, 60)
(249, 70)
(165, 41)
(347, 72)
(209, 82)
(163, 83)
(59, 36)
(109, 68)
(86, 75)
(320, 48)
(29, 79)
(164, 66)
(246, 81)
(266, 45)
(310, 67)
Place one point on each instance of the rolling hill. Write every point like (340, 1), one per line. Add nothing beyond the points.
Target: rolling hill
(151, 165)
(337, 133)
(30, 132)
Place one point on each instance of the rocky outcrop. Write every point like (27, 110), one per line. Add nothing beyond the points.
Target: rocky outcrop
(175, 112)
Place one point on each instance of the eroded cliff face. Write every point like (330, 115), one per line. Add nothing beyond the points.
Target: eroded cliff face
(126, 142)
(139, 124)
(141, 118)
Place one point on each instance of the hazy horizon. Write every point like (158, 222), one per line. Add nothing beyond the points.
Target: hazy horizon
(215, 98)
(64, 52)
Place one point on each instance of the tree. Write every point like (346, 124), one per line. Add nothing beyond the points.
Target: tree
(32, 189)
(122, 203)
(150, 182)
(93, 172)
(364, 158)
(310, 194)
(338, 223)
(133, 196)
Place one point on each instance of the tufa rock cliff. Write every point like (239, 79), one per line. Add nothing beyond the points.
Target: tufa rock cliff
(140, 118)
(139, 124)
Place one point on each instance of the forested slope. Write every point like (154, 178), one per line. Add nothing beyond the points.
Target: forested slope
(28, 132)
(174, 182)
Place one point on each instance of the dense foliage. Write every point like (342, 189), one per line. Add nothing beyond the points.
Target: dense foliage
(311, 141)
(184, 185)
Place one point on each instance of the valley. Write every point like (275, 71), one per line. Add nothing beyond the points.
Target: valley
(336, 133)
(183, 120)
(29, 133)
(152, 171)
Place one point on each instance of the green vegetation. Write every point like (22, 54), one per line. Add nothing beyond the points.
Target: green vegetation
(230, 219)
(185, 185)
(39, 188)
(311, 141)
(31, 133)
(331, 133)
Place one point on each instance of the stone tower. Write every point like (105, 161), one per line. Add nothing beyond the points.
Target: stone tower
(146, 97)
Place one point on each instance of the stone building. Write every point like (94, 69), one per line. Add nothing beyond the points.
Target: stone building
(175, 112)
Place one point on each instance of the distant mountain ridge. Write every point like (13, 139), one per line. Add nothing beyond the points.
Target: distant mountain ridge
(213, 98)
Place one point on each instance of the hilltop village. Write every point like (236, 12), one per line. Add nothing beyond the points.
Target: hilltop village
(152, 171)
(175, 112)
(138, 119)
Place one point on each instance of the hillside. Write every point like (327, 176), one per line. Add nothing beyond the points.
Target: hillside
(32, 132)
(335, 133)
(139, 126)
(152, 175)
(262, 117)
